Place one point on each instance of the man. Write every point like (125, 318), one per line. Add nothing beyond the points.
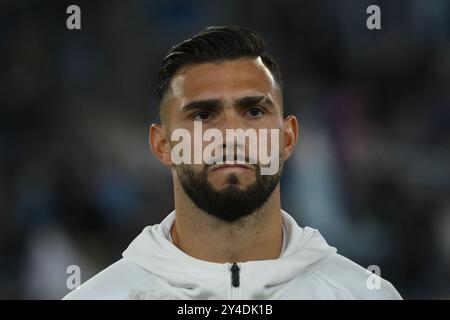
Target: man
(228, 237)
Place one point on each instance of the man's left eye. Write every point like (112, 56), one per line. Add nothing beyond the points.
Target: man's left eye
(255, 112)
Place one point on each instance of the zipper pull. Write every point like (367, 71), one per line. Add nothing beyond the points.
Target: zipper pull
(235, 275)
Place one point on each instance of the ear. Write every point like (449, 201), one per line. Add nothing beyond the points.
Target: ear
(290, 136)
(159, 144)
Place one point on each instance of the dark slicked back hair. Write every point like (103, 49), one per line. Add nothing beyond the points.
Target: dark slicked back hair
(215, 44)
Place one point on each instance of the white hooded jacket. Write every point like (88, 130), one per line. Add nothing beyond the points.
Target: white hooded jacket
(152, 267)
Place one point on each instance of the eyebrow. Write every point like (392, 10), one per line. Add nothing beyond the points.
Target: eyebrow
(214, 104)
(250, 101)
(207, 105)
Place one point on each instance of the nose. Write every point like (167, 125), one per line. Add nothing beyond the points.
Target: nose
(232, 120)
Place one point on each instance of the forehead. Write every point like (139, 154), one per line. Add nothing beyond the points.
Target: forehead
(226, 80)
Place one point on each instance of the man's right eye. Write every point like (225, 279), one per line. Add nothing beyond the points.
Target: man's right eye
(202, 115)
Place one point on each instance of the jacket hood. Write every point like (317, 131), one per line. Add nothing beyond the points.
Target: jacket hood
(191, 278)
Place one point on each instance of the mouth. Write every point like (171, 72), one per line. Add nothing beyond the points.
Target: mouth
(225, 167)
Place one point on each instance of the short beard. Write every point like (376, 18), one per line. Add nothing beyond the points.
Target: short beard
(231, 203)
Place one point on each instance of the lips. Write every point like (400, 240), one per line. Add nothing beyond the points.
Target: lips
(229, 166)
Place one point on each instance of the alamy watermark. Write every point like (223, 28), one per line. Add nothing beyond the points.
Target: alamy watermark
(73, 281)
(374, 20)
(374, 279)
(235, 142)
(74, 20)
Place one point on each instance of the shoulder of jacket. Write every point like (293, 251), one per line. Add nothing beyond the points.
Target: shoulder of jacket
(118, 281)
(351, 280)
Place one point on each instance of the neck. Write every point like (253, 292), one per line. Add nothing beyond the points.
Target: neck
(258, 236)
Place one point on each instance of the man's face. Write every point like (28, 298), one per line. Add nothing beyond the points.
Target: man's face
(237, 94)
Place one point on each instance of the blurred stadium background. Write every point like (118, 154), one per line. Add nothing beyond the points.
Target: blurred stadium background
(371, 171)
